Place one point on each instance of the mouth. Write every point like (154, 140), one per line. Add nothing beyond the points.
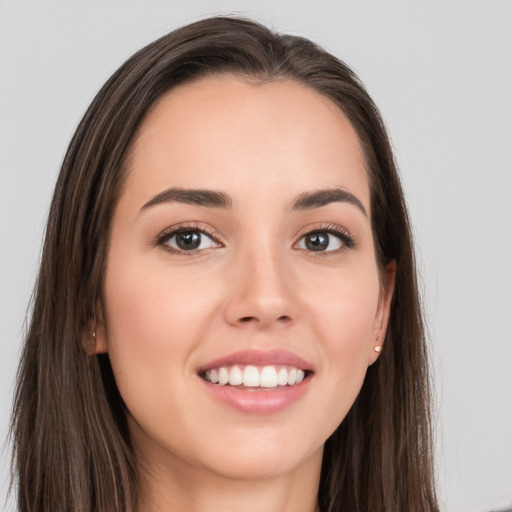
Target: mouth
(252, 378)
(257, 382)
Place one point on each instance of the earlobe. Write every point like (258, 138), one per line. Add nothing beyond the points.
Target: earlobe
(376, 349)
(383, 311)
(100, 340)
(94, 340)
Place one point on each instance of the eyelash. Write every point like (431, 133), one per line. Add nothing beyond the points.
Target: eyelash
(342, 234)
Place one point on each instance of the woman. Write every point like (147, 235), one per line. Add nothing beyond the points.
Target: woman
(226, 314)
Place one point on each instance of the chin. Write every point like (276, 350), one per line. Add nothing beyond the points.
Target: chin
(256, 462)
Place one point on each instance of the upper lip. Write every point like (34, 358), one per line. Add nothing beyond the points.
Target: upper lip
(259, 358)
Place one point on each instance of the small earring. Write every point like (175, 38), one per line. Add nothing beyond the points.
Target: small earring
(377, 349)
(94, 330)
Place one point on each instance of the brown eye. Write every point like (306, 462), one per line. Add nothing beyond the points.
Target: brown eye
(188, 241)
(322, 241)
(317, 241)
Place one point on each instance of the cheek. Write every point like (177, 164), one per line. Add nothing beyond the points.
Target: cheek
(344, 322)
(345, 309)
(155, 319)
(349, 320)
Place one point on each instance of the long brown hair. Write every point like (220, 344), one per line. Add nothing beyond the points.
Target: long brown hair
(72, 450)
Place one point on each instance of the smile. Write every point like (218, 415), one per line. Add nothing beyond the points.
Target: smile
(252, 376)
(256, 381)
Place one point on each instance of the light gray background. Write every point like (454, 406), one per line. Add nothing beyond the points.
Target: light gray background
(441, 73)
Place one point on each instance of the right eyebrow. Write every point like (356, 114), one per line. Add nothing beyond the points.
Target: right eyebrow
(199, 197)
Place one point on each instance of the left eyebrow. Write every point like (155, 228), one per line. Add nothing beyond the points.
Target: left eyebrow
(319, 198)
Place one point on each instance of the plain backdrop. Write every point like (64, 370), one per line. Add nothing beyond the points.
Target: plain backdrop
(441, 72)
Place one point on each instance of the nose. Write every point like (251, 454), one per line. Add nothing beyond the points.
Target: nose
(261, 293)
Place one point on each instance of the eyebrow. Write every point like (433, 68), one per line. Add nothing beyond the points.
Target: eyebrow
(198, 197)
(215, 199)
(319, 198)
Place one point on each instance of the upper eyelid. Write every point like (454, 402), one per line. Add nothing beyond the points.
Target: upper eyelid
(328, 227)
(186, 226)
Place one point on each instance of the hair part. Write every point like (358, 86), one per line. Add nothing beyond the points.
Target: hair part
(72, 450)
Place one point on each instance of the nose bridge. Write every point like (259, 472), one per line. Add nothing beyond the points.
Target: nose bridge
(261, 292)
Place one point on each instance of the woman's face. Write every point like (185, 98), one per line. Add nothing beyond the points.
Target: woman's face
(241, 248)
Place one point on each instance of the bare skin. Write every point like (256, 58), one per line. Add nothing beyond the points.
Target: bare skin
(264, 270)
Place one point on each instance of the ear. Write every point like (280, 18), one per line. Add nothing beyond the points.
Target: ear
(383, 310)
(94, 340)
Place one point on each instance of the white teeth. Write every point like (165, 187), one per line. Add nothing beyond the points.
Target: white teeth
(223, 376)
(268, 377)
(292, 375)
(253, 377)
(282, 377)
(235, 376)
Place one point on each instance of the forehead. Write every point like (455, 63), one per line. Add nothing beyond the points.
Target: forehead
(223, 131)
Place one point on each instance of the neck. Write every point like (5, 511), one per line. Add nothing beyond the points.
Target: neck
(177, 487)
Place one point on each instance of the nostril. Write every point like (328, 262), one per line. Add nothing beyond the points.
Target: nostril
(283, 319)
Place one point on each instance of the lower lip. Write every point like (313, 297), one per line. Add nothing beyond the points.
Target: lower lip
(257, 400)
